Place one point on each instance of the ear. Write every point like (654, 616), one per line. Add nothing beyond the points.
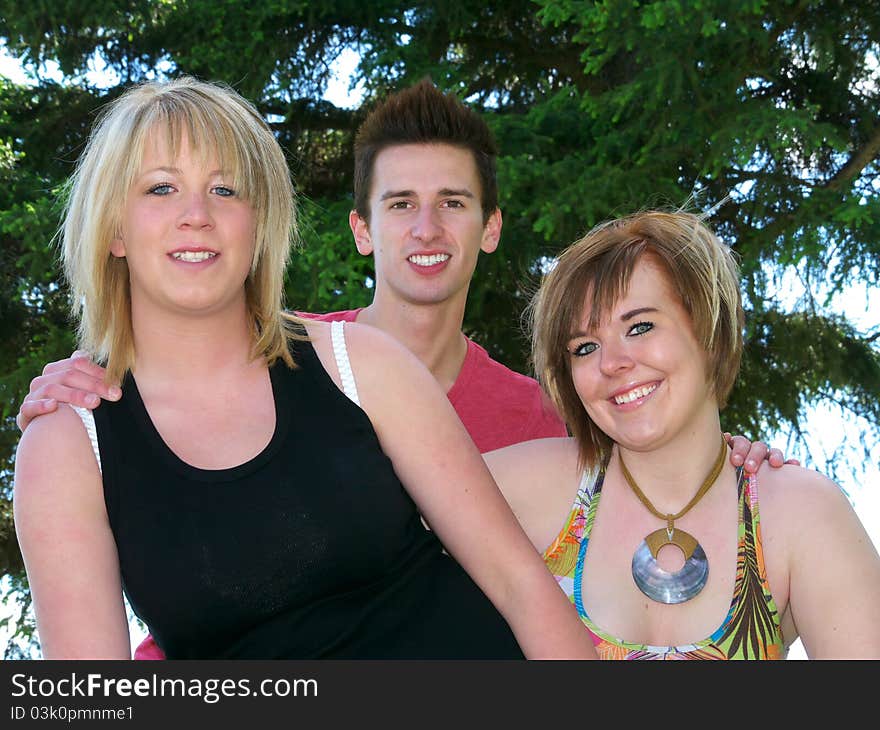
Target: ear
(491, 232)
(361, 232)
(117, 248)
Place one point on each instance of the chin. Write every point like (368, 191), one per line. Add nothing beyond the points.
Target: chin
(428, 297)
(639, 440)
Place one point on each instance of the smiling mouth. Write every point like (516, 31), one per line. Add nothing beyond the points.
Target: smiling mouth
(432, 260)
(634, 394)
(193, 256)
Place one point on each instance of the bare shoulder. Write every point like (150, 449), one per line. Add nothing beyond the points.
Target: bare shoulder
(372, 353)
(821, 562)
(57, 437)
(55, 466)
(798, 490)
(795, 499)
(539, 479)
(374, 346)
(319, 336)
(551, 457)
(357, 335)
(315, 328)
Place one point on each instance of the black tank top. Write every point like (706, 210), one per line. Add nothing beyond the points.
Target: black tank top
(312, 549)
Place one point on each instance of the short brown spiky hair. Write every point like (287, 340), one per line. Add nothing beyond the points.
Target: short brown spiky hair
(701, 270)
(422, 114)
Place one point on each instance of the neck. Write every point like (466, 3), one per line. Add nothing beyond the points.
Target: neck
(187, 349)
(670, 474)
(432, 332)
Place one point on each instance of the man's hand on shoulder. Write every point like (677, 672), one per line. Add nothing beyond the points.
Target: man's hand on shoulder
(751, 455)
(75, 380)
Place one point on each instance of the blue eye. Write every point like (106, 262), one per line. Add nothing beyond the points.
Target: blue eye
(223, 191)
(585, 348)
(641, 328)
(160, 189)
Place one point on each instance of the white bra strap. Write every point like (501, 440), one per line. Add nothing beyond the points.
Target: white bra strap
(337, 337)
(88, 419)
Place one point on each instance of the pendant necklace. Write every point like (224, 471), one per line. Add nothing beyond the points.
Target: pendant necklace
(682, 585)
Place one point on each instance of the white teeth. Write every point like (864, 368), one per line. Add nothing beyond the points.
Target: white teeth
(436, 258)
(634, 394)
(193, 256)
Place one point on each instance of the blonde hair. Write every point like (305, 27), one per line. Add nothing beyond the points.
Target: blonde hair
(215, 120)
(701, 270)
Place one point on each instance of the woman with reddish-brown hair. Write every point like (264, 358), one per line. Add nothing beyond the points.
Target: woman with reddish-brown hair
(666, 550)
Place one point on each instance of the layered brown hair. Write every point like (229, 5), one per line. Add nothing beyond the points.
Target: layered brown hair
(595, 271)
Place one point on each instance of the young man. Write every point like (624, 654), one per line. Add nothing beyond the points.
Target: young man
(425, 206)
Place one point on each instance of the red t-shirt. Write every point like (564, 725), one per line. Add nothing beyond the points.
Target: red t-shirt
(497, 406)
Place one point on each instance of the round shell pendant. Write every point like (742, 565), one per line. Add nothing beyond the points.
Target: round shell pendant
(660, 585)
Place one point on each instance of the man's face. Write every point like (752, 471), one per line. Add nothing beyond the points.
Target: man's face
(426, 223)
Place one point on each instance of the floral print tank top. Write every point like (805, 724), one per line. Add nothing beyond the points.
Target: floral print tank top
(751, 628)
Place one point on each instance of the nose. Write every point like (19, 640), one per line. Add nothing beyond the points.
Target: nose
(196, 212)
(425, 226)
(614, 358)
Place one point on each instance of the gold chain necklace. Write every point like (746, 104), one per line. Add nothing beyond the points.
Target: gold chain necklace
(652, 580)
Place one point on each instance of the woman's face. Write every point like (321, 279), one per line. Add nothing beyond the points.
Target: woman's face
(641, 374)
(187, 236)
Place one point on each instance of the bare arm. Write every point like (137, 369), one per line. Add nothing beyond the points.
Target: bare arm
(65, 539)
(445, 475)
(833, 567)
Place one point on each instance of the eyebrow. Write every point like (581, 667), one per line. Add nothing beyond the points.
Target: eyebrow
(636, 312)
(452, 192)
(625, 317)
(396, 194)
(443, 193)
(162, 168)
(177, 171)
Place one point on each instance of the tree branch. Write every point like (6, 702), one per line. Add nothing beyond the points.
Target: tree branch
(860, 159)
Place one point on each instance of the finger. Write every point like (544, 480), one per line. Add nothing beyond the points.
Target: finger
(796, 462)
(757, 453)
(83, 397)
(83, 362)
(78, 361)
(739, 447)
(59, 385)
(59, 365)
(747, 454)
(775, 458)
(30, 409)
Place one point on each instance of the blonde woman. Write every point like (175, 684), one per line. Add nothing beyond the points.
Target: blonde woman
(666, 550)
(280, 519)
